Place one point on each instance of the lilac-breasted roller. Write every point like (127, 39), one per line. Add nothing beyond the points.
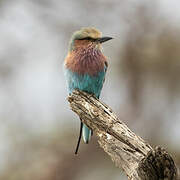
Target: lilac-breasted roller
(85, 67)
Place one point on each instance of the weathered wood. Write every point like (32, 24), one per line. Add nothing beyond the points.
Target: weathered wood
(127, 150)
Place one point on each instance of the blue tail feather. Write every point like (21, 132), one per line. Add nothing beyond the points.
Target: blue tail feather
(86, 134)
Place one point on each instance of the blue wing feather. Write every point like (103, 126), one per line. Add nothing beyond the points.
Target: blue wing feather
(87, 83)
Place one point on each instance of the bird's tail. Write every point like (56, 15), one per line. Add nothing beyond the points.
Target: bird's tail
(86, 132)
(79, 139)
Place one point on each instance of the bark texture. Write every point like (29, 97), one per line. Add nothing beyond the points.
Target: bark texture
(127, 150)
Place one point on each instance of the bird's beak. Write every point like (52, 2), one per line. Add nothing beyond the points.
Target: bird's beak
(104, 39)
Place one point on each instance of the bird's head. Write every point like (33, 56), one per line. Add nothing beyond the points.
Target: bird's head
(87, 37)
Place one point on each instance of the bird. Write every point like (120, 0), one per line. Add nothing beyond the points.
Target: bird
(85, 67)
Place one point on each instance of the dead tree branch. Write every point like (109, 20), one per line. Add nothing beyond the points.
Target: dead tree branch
(127, 150)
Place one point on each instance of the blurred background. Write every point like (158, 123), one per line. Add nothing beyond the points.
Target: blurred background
(38, 131)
